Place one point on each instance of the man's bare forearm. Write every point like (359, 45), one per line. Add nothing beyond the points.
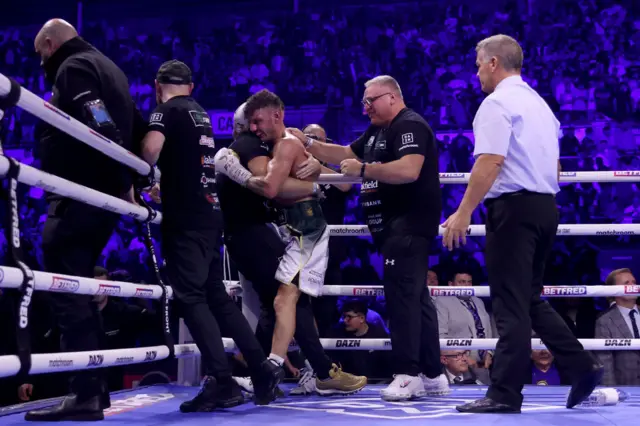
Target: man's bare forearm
(484, 173)
(330, 153)
(293, 189)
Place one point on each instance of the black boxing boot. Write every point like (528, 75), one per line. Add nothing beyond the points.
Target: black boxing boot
(265, 383)
(105, 398)
(72, 408)
(205, 401)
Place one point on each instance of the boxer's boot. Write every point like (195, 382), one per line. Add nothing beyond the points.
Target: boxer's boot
(266, 381)
(340, 383)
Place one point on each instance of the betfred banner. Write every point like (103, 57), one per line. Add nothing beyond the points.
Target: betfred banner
(222, 123)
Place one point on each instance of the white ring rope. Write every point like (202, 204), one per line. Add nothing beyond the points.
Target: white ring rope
(50, 183)
(45, 111)
(457, 178)
(59, 283)
(568, 230)
(73, 361)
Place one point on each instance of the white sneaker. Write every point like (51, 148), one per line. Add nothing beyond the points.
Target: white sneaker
(306, 384)
(437, 386)
(245, 383)
(402, 388)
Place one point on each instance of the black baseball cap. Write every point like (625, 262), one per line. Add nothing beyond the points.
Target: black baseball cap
(174, 72)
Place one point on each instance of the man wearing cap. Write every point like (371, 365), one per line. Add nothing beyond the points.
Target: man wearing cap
(180, 141)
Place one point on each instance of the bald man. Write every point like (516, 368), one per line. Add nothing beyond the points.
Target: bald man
(91, 88)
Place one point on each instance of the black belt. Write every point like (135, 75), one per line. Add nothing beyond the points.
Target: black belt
(508, 195)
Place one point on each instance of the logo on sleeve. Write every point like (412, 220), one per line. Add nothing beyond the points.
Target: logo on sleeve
(200, 119)
(407, 138)
(156, 116)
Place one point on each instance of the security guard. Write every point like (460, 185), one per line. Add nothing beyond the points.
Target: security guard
(180, 140)
(91, 88)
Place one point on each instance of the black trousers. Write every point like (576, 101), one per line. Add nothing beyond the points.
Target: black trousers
(520, 232)
(256, 250)
(194, 270)
(413, 320)
(73, 238)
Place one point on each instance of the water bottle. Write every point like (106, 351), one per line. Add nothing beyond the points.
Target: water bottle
(605, 397)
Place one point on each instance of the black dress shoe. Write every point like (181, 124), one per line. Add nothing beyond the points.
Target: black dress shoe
(265, 384)
(70, 409)
(206, 400)
(584, 385)
(229, 394)
(487, 405)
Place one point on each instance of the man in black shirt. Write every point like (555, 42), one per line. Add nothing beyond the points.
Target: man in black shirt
(400, 196)
(180, 140)
(91, 88)
(255, 247)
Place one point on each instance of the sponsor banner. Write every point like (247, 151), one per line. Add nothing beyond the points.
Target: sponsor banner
(608, 343)
(95, 360)
(109, 289)
(564, 291)
(50, 107)
(150, 356)
(123, 360)
(451, 175)
(145, 293)
(65, 285)
(568, 174)
(1, 275)
(60, 363)
(615, 233)
(459, 342)
(627, 173)
(344, 231)
(348, 343)
(368, 292)
(222, 123)
(452, 292)
(136, 402)
(632, 289)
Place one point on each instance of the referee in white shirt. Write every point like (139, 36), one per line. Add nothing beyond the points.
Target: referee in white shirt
(516, 173)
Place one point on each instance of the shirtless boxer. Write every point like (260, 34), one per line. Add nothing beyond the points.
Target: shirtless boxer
(302, 223)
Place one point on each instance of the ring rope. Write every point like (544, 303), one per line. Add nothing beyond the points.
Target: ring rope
(462, 178)
(42, 109)
(44, 281)
(73, 361)
(57, 185)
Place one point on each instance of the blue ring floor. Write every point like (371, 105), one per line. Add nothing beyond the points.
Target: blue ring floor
(158, 405)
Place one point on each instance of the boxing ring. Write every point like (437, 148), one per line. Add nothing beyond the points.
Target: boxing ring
(159, 404)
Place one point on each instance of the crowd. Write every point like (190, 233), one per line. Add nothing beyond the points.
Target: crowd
(585, 65)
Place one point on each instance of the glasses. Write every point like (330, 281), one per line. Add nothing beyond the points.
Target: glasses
(367, 102)
(349, 317)
(459, 356)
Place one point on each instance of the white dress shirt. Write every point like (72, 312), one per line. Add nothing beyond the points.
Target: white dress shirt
(516, 123)
(627, 318)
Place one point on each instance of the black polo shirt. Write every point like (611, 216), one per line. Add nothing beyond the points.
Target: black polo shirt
(188, 184)
(406, 209)
(241, 206)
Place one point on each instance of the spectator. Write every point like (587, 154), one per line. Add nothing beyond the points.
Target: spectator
(458, 370)
(620, 322)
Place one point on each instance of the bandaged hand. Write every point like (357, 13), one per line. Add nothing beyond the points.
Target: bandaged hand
(226, 162)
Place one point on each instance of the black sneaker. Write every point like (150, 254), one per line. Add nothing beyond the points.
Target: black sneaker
(205, 401)
(229, 394)
(265, 385)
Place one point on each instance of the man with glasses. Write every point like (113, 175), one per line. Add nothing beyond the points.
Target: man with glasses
(458, 372)
(397, 159)
(355, 326)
